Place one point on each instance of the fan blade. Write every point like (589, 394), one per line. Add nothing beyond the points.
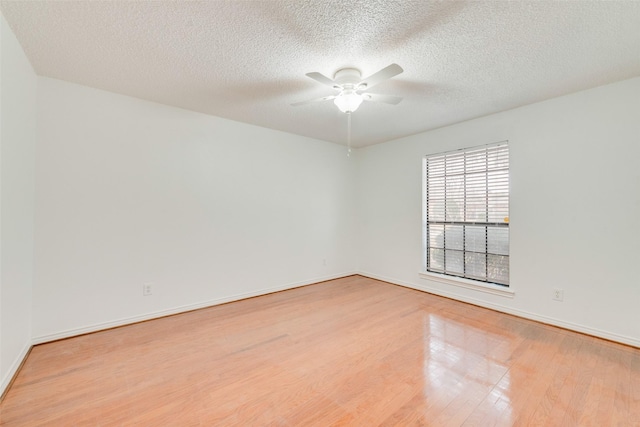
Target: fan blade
(382, 75)
(387, 99)
(321, 78)
(324, 98)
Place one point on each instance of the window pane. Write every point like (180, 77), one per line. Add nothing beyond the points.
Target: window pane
(455, 210)
(498, 269)
(475, 265)
(455, 262)
(436, 210)
(477, 209)
(476, 185)
(455, 198)
(454, 164)
(498, 208)
(436, 259)
(476, 161)
(454, 237)
(436, 236)
(498, 158)
(475, 239)
(498, 240)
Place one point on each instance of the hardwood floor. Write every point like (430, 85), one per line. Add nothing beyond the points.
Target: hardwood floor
(352, 351)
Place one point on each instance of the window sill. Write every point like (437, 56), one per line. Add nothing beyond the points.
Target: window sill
(469, 284)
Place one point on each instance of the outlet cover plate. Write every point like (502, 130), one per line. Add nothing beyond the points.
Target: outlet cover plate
(558, 294)
(146, 290)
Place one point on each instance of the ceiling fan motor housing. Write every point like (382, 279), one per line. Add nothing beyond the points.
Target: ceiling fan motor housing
(347, 78)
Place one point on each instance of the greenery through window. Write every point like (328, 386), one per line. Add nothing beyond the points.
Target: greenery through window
(466, 209)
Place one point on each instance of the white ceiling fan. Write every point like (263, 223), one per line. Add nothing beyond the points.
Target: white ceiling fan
(353, 88)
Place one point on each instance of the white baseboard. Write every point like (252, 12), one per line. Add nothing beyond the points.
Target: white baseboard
(520, 313)
(13, 369)
(180, 309)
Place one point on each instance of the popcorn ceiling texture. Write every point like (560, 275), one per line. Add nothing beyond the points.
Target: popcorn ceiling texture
(246, 60)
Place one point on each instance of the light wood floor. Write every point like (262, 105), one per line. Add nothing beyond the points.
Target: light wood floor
(352, 351)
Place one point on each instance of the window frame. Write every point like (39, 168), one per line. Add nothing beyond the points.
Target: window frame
(460, 279)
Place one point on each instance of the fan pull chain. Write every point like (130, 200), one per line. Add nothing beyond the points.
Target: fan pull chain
(349, 134)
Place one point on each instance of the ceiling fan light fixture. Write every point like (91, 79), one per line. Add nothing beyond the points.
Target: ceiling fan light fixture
(352, 88)
(348, 101)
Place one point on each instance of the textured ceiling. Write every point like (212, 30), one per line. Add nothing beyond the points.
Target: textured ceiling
(246, 60)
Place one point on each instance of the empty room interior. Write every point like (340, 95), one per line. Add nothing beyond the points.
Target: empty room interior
(320, 212)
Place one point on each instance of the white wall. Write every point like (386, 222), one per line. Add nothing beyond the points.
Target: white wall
(575, 209)
(203, 208)
(18, 84)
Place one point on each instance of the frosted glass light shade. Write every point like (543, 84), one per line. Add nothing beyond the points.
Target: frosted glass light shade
(348, 101)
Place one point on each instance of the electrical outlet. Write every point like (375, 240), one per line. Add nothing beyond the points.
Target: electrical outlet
(146, 289)
(324, 262)
(558, 294)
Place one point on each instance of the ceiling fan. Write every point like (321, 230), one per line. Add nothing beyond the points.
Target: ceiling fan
(353, 88)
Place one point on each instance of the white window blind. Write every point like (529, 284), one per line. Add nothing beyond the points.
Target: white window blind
(466, 196)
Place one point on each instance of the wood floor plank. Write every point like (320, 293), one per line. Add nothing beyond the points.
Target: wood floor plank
(347, 352)
(634, 388)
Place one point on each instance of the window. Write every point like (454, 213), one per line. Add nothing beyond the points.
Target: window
(466, 210)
